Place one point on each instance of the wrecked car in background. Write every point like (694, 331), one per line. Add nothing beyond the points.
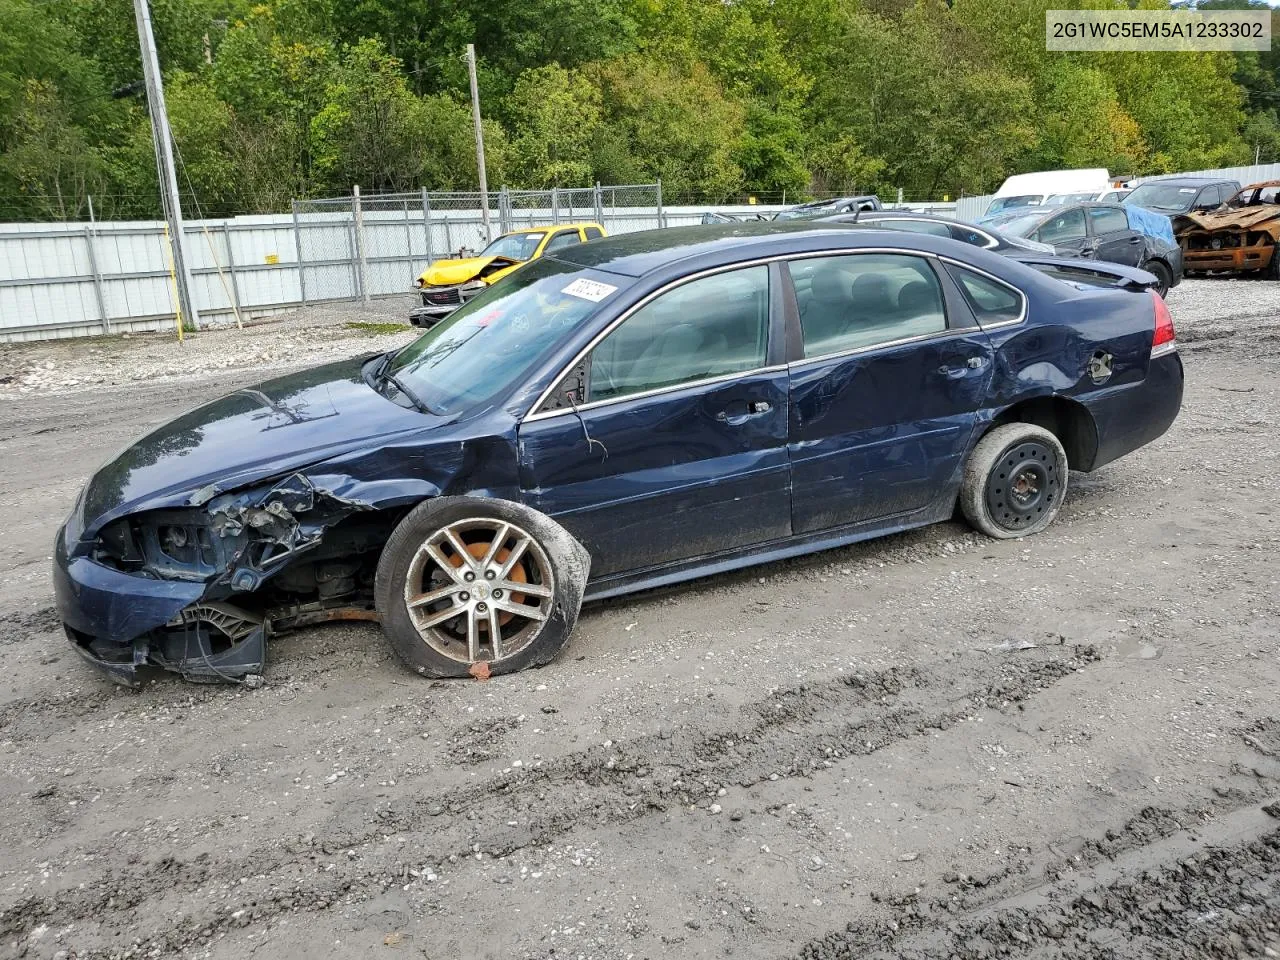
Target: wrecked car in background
(1240, 237)
(1130, 236)
(619, 416)
(448, 284)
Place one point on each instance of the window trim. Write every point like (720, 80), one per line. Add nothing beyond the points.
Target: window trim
(537, 412)
(1022, 314)
(991, 243)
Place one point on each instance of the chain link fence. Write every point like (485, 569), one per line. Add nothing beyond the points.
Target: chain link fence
(360, 247)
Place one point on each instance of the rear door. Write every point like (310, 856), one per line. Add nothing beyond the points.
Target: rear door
(1114, 240)
(668, 439)
(563, 239)
(885, 393)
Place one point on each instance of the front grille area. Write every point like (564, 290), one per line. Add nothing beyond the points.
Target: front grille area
(442, 297)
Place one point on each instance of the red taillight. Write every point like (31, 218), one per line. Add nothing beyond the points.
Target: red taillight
(1164, 322)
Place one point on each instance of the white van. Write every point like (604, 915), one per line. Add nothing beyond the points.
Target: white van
(1030, 189)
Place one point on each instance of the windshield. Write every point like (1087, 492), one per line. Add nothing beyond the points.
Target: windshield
(1022, 226)
(483, 348)
(1006, 203)
(1166, 197)
(514, 246)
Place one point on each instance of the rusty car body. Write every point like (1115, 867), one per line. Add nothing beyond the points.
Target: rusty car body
(1238, 237)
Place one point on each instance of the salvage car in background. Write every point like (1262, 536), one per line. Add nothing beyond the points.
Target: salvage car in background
(819, 208)
(1174, 196)
(941, 227)
(448, 284)
(1240, 237)
(1131, 236)
(617, 416)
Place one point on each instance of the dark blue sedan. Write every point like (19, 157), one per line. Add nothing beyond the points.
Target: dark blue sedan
(633, 412)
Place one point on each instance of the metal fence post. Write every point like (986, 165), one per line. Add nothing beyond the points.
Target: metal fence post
(89, 233)
(231, 268)
(599, 204)
(504, 210)
(408, 241)
(448, 238)
(362, 265)
(555, 204)
(426, 222)
(662, 220)
(297, 246)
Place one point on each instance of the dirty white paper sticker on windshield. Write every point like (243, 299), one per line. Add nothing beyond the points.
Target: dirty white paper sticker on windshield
(592, 290)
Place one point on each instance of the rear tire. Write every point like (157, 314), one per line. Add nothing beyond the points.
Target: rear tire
(1162, 274)
(465, 580)
(1014, 481)
(1273, 268)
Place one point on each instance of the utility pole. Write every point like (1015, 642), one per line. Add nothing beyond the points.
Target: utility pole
(475, 117)
(163, 141)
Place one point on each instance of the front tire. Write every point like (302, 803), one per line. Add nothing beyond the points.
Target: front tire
(1014, 481)
(464, 581)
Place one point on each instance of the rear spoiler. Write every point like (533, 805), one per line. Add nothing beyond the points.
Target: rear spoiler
(1118, 275)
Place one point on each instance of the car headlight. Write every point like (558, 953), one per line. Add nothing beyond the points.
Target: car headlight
(471, 286)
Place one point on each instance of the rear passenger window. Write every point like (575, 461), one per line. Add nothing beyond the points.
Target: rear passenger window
(990, 301)
(1108, 220)
(863, 300)
(594, 233)
(710, 327)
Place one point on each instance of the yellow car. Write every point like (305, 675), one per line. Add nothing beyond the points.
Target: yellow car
(448, 284)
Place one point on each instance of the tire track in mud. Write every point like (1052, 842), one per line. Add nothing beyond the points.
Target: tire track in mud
(1201, 890)
(788, 733)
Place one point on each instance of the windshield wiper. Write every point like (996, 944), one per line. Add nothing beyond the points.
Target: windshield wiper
(380, 375)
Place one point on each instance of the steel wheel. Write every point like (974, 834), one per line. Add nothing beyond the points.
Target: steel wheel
(1015, 481)
(1023, 485)
(479, 589)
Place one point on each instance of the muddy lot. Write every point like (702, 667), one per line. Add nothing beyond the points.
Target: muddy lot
(928, 746)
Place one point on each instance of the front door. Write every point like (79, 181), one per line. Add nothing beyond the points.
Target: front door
(884, 401)
(1067, 233)
(671, 443)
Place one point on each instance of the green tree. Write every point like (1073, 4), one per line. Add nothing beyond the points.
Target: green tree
(555, 127)
(670, 123)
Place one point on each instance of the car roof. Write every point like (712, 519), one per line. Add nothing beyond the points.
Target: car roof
(1189, 181)
(549, 226)
(638, 254)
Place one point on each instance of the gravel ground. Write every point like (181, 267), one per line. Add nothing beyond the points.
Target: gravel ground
(928, 746)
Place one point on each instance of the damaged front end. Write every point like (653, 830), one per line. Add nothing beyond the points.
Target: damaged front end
(199, 589)
(1240, 237)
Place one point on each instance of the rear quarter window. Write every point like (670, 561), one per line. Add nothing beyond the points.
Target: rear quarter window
(990, 300)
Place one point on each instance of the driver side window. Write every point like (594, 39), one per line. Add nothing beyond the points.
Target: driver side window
(1063, 227)
(710, 327)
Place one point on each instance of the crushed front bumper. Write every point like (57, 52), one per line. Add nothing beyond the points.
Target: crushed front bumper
(439, 302)
(117, 621)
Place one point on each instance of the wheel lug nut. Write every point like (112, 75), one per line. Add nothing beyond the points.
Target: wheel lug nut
(464, 597)
(468, 576)
(497, 594)
(489, 575)
(482, 607)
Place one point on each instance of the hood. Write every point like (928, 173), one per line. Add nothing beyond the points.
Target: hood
(446, 273)
(244, 437)
(1234, 217)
